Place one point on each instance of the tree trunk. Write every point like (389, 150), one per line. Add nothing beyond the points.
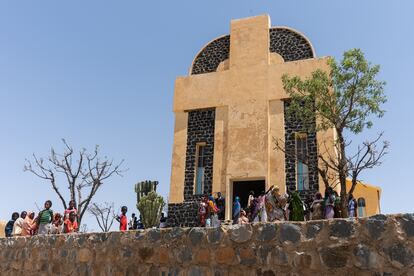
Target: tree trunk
(342, 173)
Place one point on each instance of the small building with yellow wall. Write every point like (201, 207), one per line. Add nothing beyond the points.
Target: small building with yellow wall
(368, 198)
(228, 112)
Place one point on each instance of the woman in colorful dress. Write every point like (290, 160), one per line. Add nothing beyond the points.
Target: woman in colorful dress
(213, 212)
(236, 210)
(202, 211)
(296, 208)
(316, 207)
(329, 203)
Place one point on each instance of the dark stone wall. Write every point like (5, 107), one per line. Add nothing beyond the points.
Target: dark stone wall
(290, 45)
(287, 43)
(183, 214)
(200, 129)
(292, 126)
(211, 56)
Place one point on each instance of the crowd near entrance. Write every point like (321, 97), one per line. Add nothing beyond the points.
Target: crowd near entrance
(243, 189)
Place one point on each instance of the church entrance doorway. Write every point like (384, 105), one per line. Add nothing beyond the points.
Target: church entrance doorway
(242, 190)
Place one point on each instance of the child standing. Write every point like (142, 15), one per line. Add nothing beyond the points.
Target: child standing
(9, 226)
(71, 225)
(71, 208)
(122, 219)
(45, 218)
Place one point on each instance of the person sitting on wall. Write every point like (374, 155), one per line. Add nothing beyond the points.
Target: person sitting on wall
(9, 226)
(236, 210)
(243, 219)
(55, 227)
(71, 224)
(133, 222)
(221, 205)
(122, 219)
(140, 224)
(163, 220)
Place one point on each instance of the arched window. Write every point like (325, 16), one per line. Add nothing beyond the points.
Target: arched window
(361, 207)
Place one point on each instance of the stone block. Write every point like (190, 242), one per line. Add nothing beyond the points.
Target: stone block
(400, 255)
(290, 232)
(302, 260)
(341, 228)
(154, 235)
(376, 226)
(334, 257)
(215, 235)
(185, 255)
(145, 253)
(225, 255)
(84, 255)
(203, 256)
(407, 224)
(313, 229)
(366, 258)
(267, 232)
(196, 236)
(241, 233)
(247, 256)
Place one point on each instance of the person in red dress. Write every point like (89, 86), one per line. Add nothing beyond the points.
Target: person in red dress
(70, 224)
(122, 219)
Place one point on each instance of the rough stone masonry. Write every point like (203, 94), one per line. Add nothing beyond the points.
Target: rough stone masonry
(378, 245)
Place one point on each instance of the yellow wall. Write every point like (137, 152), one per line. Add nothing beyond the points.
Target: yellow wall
(248, 95)
(2, 226)
(370, 193)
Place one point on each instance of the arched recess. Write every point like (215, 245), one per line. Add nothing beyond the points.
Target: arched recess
(286, 42)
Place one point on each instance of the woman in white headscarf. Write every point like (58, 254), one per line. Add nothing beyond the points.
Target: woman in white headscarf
(275, 204)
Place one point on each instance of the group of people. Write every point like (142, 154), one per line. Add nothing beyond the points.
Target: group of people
(211, 211)
(271, 205)
(46, 221)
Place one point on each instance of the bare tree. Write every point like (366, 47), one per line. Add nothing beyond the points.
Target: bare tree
(104, 214)
(84, 174)
(368, 155)
(84, 228)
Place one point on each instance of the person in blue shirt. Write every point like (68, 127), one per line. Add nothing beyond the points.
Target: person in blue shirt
(9, 226)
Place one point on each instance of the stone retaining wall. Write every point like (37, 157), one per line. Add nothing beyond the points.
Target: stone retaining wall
(380, 245)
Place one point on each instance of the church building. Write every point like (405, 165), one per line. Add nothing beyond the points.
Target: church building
(229, 111)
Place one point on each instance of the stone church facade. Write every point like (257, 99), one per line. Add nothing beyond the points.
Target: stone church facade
(228, 112)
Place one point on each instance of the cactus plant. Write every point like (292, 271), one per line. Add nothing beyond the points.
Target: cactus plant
(150, 207)
(144, 187)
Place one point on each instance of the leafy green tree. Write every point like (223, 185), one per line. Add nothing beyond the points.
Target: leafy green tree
(346, 99)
